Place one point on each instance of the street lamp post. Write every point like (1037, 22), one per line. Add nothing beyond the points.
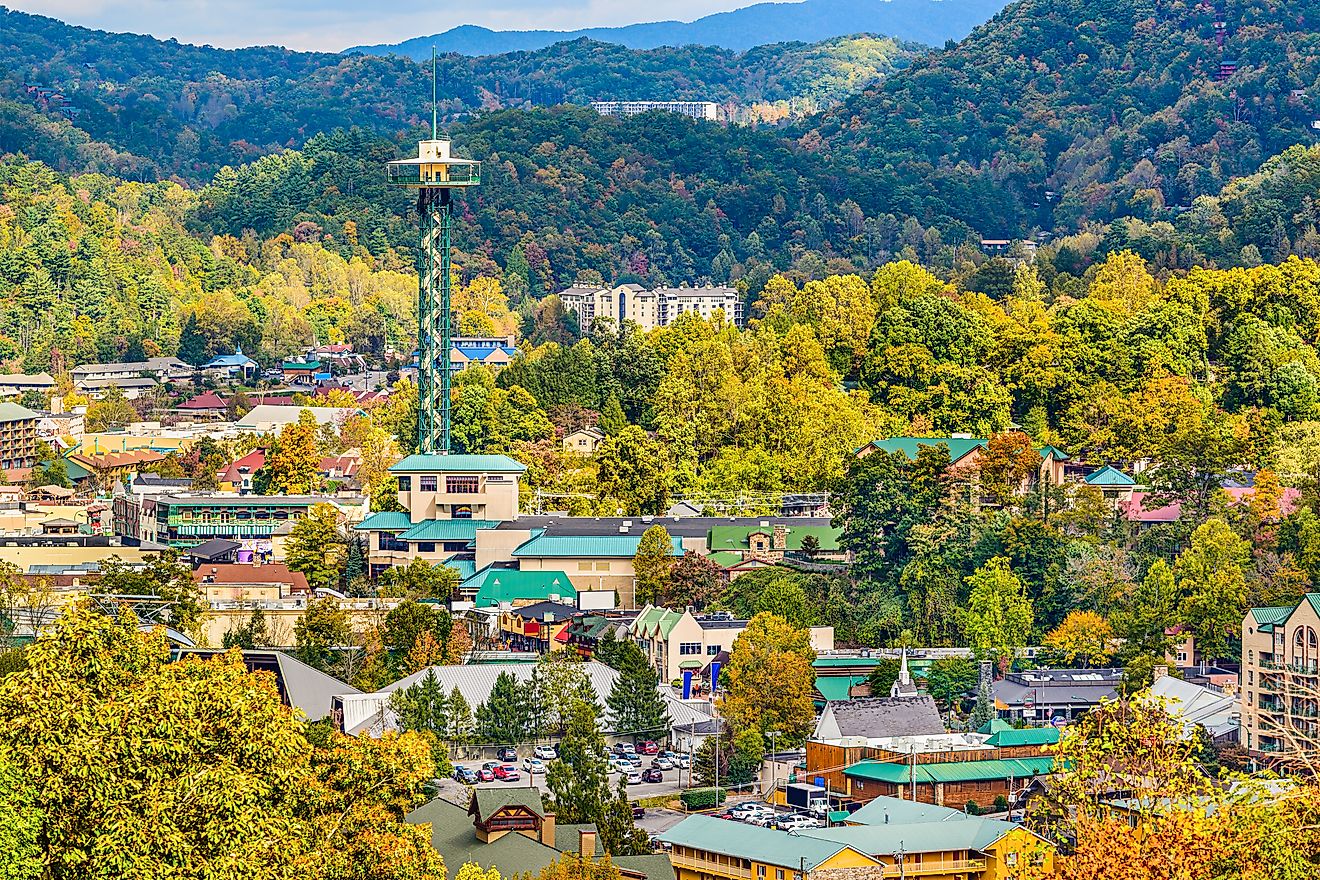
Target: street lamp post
(774, 767)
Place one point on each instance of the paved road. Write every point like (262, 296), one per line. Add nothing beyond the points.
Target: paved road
(671, 785)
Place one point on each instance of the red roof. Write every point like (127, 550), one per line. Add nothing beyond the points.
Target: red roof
(240, 574)
(240, 467)
(1134, 511)
(562, 635)
(341, 465)
(1288, 498)
(205, 400)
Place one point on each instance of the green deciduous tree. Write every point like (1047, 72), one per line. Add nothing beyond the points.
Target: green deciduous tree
(316, 546)
(769, 680)
(633, 471)
(652, 565)
(1212, 580)
(998, 618)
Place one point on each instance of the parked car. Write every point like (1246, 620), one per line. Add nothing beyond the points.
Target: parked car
(506, 773)
(660, 762)
(652, 775)
(684, 761)
(545, 753)
(633, 777)
(795, 821)
(761, 820)
(649, 748)
(638, 812)
(666, 753)
(748, 808)
(533, 765)
(485, 774)
(466, 775)
(507, 754)
(624, 749)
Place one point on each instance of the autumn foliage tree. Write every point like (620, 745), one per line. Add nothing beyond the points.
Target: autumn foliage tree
(769, 680)
(1084, 638)
(194, 768)
(1007, 465)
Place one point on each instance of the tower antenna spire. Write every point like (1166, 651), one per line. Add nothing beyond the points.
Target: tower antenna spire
(433, 94)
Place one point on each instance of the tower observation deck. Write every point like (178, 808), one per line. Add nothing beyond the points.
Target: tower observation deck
(435, 174)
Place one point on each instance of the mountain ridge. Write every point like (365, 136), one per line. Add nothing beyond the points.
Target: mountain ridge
(932, 22)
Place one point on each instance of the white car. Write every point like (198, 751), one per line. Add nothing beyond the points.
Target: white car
(634, 777)
(533, 765)
(545, 753)
(797, 821)
(684, 761)
(761, 820)
(751, 808)
(661, 762)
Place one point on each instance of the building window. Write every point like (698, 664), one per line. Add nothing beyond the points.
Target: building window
(584, 566)
(760, 870)
(602, 566)
(461, 511)
(390, 541)
(688, 648)
(462, 485)
(405, 484)
(779, 874)
(428, 483)
(426, 546)
(712, 650)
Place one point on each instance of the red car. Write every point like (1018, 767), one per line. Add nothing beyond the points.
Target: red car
(506, 773)
(649, 748)
(485, 774)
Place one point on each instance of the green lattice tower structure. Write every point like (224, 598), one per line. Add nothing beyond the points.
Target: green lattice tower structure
(435, 174)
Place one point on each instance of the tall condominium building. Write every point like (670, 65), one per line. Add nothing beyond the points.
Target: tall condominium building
(18, 436)
(649, 309)
(1280, 680)
(707, 110)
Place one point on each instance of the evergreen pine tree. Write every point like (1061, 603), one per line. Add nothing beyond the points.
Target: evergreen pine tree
(460, 718)
(636, 706)
(504, 718)
(984, 709)
(578, 779)
(619, 834)
(612, 419)
(354, 574)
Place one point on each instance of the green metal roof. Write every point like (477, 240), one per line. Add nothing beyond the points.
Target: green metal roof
(13, 412)
(725, 558)
(465, 567)
(690, 664)
(994, 725)
(897, 811)
(1029, 736)
(1266, 618)
(836, 687)
(588, 546)
(828, 662)
(967, 833)
(1109, 476)
(954, 771)
(737, 537)
(1059, 454)
(496, 585)
(763, 845)
(490, 800)
(656, 619)
(910, 446)
(446, 464)
(447, 529)
(385, 521)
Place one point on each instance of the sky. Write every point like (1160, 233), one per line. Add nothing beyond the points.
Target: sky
(332, 25)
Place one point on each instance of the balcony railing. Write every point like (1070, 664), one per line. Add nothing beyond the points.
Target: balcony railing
(929, 867)
(709, 866)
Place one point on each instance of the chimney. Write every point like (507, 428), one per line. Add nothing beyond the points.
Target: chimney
(779, 537)
(1161, 672)
(587, 843)
(548, 829)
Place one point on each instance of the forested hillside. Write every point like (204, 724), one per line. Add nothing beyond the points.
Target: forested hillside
(1062, 111)
(188, 110)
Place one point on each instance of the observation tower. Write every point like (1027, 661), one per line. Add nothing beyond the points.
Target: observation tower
(435, 174)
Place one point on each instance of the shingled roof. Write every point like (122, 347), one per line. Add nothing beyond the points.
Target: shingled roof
(873, 717)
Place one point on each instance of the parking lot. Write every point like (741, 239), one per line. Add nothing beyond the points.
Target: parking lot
(673, 781)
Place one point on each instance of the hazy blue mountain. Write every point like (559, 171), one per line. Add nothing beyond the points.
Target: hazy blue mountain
(925, 21)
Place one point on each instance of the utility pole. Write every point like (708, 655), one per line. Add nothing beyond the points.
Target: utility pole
(774, 765)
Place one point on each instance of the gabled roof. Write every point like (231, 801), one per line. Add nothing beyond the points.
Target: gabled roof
(447, 529)
(494, 586)
(656, 621)
(1030, 736)
(448, 464)
(888, 810)
(586, 546)
(237, 359)
(837, 687)
(968, 833)
(763, 845)
(558, 611)
(488, 801)
(876, 717)
(386, 521)
(911, 446)
(1109, 476)
(205, 400)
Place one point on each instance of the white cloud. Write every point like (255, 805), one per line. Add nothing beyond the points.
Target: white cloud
(331, 25)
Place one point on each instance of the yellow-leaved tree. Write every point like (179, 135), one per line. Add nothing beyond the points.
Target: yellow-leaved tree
(768, 682)
(194, 768)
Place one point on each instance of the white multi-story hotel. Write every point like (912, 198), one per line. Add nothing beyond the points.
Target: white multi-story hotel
(707, 110)
(649, 309)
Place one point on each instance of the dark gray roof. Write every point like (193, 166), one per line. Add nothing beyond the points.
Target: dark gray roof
(873, 717)
(214, 548)
(538, 611)
(677, 526)
(303, 687)
(1058, 686)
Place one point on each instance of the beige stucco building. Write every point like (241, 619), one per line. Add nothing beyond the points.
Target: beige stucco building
(1281, 680)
